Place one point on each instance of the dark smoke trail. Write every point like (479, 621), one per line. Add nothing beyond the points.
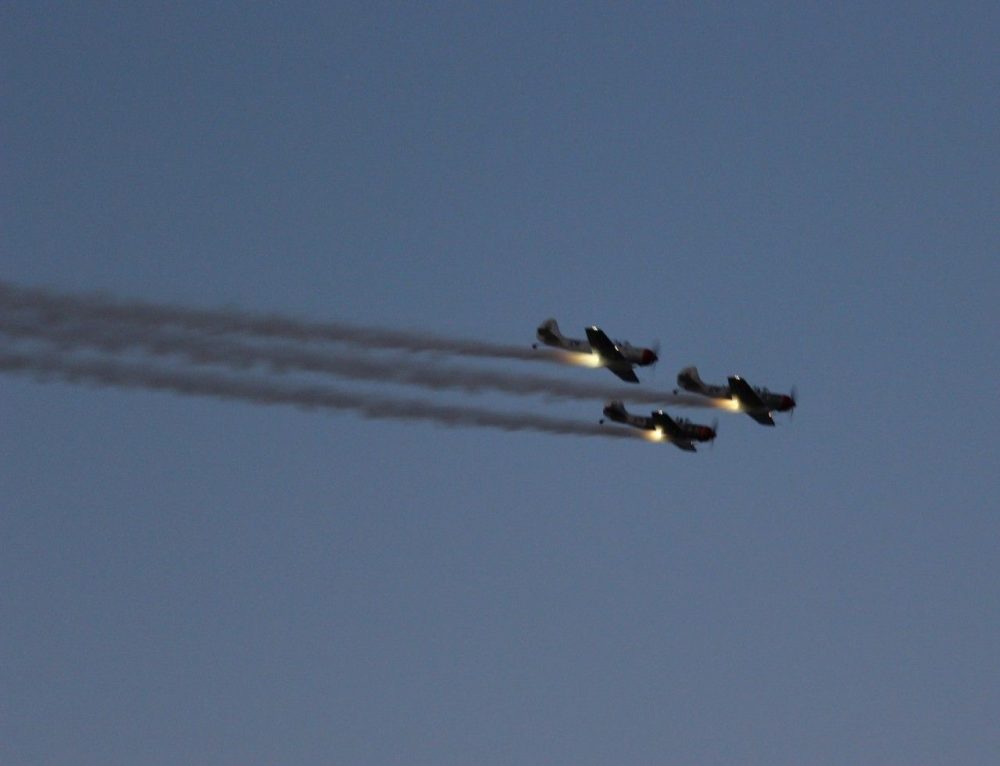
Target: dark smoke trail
(120, 375)
(206, 350)
(55, 308)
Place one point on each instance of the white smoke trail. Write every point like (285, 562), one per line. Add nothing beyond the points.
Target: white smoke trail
(258, 391)
(55, 308)
(206, 350)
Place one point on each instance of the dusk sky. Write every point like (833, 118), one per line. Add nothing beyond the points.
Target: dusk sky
(804, 194)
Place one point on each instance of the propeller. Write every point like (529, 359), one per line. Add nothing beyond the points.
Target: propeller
(715, 430)
(655, 348)
(795, 400)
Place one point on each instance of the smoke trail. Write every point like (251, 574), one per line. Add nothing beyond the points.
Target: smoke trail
(55, 308)
(205, 350)
(143, 376)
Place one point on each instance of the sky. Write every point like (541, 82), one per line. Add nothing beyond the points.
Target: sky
(802, 194)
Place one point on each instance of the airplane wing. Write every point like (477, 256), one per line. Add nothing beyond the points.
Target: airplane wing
(624, 371)
(745, 394)
(668, 424)
(602, 344)
(610, 355)
(672, 431)
(750, 402)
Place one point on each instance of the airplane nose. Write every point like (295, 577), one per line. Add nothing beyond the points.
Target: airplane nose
(787, 403)
(648, 356)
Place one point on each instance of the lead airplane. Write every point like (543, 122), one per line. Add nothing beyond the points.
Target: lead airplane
(618, 356)
(680, 432)
(758, 403)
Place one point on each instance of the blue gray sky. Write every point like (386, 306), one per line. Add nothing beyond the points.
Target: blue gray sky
(804, 194)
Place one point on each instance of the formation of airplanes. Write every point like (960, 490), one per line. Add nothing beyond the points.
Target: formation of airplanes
(622, 358)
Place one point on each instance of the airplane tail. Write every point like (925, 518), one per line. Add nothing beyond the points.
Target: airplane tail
(548, 332)
(689, 380)
(615, 410)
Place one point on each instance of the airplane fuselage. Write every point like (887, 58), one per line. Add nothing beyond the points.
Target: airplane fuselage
(566, 344)
(774, 402)
(616, 411)
(681, 428)
(689, 380)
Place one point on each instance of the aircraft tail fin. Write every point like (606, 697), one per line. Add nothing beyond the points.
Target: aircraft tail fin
(548, 332)
(689, 380)
(615, 410)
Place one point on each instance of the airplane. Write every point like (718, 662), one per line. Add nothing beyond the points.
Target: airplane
(758, 403)
(617, 356)
(680, 432)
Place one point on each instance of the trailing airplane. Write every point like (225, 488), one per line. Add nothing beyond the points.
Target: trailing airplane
(680, 432)
(617, 356)
(758, 403)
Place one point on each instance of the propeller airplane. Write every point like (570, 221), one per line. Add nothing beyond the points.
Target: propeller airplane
(679, 432)
(758, 403)
(618, 356)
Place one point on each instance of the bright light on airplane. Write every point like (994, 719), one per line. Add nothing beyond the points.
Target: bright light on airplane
(653, 436)
(584, 360)
(730, 405)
